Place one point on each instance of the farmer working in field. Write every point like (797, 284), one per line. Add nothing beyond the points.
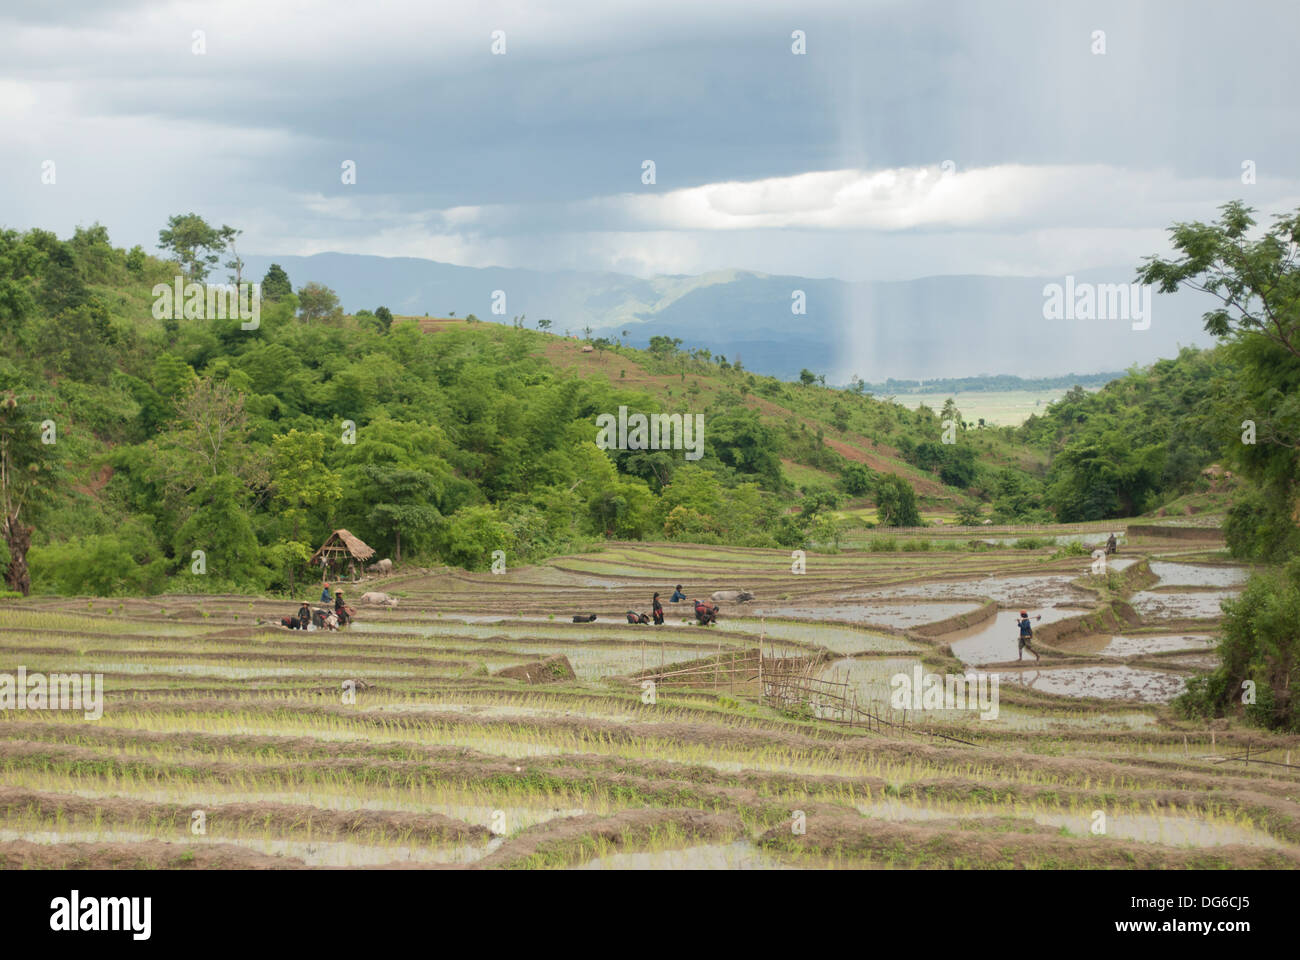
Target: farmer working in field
(1027, 634)
(325, 594)
(300, 621)
(1111, 545)
(677, 595)
(657, 610)
(341, 609)
(705, 613)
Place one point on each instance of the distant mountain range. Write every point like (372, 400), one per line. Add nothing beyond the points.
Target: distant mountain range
(933, 327)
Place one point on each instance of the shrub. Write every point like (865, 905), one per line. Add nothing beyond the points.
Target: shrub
(127, 561)
(1260, 647)
(1074, 548)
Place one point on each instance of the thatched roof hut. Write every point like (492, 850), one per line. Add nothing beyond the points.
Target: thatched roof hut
(339, 547)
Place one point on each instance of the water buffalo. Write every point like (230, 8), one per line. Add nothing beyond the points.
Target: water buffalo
(384, 566)
(375, 596)
(732, 596)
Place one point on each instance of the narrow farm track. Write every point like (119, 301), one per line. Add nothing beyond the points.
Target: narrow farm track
(226, 741)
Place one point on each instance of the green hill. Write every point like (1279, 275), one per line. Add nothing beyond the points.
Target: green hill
(191, 452)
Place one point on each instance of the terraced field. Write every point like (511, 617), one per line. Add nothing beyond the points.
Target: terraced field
(227, 741)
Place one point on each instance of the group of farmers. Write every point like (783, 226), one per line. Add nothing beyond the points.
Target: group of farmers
(307, 618)
(705, 613)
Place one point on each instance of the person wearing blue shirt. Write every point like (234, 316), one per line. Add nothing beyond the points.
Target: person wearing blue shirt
(325, 594)
(677, 595)
(1027, 634)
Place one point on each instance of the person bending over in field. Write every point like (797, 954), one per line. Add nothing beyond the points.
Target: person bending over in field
(1027, 634)
(705, 613)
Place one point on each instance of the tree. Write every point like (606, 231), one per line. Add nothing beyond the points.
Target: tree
(816, 502)
(621, 509)
(209, 437)
(94, 253)
(385, 317)
(136, 260)
(213, 425)
(543, 324)
(857, 479)
(472, 534)
(1257, 283)
(126, 561)
(275, 285)
(30, 473)
(1260, 645)
(896, 502)
(194, 244)
(827, 530)
(300, 481)
(81, 342)
(950, 412)
(405, 502)
(1103, 475)
(236, 263)
(317, 302)
(740, 440)
(219, 525)
(807, 377)
(1018, 499)
(664, 347)
(958, 467)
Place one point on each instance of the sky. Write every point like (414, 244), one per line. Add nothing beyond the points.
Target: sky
(908, 140)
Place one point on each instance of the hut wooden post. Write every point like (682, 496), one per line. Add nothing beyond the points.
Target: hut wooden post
(341, 548)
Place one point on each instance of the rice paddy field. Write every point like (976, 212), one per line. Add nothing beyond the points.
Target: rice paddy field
(1004, 408)
(473, 725)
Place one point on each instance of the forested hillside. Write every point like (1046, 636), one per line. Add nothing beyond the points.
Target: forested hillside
(139, 445)
(168, 435)
(1140, 441)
